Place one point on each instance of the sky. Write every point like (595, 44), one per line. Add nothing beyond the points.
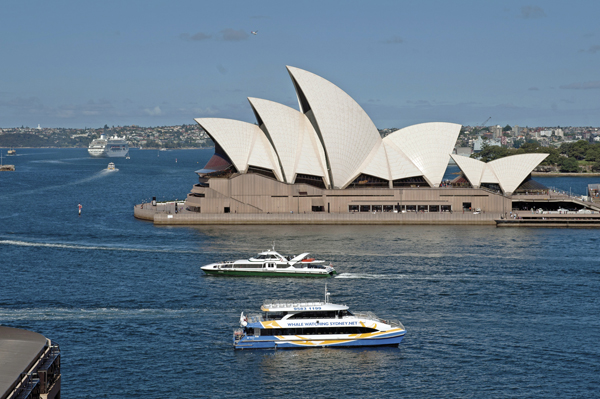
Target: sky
(85, 63)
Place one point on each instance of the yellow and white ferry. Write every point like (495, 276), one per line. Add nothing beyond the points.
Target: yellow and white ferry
(286, 324)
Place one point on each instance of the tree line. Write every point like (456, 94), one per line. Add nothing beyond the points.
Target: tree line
(568, 157)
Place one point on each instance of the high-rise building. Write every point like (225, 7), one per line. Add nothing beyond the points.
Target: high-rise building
(496, 131)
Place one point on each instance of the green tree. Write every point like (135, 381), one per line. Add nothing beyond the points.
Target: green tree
(507, 128)
(491, 152)
(569, 165)
(593, 154)
(596, 167)
(575, 150)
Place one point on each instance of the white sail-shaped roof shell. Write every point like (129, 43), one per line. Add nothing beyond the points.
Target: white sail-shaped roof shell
(472, 168)
(508, 172)
(401, 166)
(348, 134)
(489, 176)
(512, 170)
(294, 138)
(245, 144)
(377, 164)
(428, 146)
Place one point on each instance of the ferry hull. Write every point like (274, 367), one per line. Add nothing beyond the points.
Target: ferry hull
(237, 273)
(275, 343)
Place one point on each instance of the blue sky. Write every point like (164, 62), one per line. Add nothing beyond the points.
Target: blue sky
(153, 63)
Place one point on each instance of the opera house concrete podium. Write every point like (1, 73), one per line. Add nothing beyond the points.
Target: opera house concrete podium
(327, 163)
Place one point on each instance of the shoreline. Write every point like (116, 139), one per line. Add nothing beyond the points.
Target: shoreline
(137, 148)
(558, 174)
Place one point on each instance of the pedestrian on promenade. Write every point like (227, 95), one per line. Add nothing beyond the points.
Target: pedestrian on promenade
(79, 209)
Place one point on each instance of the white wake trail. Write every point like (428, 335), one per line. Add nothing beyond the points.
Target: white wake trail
(88, 247)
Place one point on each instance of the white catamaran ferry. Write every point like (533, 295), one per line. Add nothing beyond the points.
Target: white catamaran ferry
(310, 324)
(272, 264)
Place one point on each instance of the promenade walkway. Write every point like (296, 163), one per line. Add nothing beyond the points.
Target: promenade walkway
(164, 214)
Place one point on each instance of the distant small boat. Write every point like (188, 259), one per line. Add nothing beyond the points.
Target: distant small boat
(111, 167)
(127, 157)
(12, 152)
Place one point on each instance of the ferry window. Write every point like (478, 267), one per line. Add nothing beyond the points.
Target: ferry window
(376, 208)
(423, 208)
(353, 208)
(365, 208)
(446, 208)
(466, 206)
(226, 210)
(434, 208)
(388, 208)
(274, 315)
(411, 208)
(318, 208)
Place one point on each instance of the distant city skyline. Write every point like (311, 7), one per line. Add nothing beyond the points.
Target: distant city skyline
(154, 63)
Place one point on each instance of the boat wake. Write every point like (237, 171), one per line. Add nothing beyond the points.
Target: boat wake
(88, 247)
(94, 313)
(371, 276)
(95, 176)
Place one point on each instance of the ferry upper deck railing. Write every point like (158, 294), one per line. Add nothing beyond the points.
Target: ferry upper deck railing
(257, 318)
(373, 316)
(294, 303)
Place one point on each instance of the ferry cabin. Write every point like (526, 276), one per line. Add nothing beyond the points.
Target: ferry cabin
(314, 324)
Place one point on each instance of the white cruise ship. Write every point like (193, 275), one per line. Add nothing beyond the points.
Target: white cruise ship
(112, 147)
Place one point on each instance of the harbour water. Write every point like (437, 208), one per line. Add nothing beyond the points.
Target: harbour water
(489, 312)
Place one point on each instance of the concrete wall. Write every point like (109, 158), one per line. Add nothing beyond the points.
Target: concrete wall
(251, 193)
(189, 218)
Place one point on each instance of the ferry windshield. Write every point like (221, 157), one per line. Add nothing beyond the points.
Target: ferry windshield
(266, 257)
(274, 315)
(332, 314)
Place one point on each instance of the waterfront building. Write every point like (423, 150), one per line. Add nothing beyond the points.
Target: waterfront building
(329, 157)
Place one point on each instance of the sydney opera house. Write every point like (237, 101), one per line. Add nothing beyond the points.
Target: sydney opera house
(328, 156)
(326, 163)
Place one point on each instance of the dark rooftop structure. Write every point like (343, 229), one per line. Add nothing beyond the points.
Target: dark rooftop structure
(29, 365)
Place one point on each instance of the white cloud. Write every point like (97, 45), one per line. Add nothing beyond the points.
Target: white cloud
(156, 111)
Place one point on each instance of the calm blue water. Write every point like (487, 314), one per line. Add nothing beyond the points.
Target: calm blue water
(489, 312)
